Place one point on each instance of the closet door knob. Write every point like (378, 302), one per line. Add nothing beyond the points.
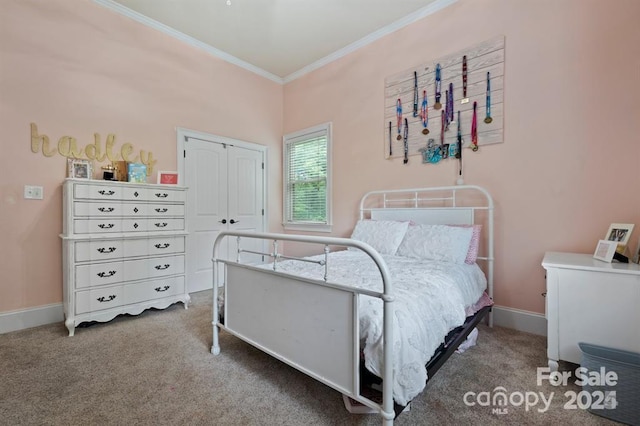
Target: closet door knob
(223, 221)
(234, 221)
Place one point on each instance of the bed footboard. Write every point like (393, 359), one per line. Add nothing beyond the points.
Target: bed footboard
(312, 325)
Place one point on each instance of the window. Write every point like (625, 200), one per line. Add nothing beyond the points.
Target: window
(307, 179)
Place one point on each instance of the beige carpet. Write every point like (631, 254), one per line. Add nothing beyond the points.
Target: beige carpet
(156, 368)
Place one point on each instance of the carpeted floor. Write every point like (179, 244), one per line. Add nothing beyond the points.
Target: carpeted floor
(157, 369)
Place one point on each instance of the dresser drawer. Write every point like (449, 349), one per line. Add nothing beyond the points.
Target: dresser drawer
(165, 224)
(98, 250)
(108, 209)
(156, 289)
(98, 299)
(97, 192)
(168, 195)
(91, 251)
(158, 246)
(153, 267)
(97, 209)
(97, 274)
(154, 209)
(95, 226)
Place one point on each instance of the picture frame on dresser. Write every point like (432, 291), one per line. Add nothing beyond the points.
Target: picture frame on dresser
(167, 178)
(78, 168)
(605, 250)
(636, 256)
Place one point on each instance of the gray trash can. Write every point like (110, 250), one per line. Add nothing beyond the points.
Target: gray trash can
(621, 401)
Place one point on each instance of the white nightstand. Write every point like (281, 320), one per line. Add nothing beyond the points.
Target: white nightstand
(590, 301)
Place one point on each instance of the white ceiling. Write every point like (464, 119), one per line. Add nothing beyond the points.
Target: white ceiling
(279, 39)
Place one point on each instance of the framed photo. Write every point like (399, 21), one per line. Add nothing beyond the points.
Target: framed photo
(168, 178)
(79, 168)
(621, 233)
(636, 256)
(605, 250)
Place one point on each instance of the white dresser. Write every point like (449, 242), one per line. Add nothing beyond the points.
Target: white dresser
(123, 249)
(590, 301)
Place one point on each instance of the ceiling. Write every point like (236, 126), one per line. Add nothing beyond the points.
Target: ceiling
(279, 39)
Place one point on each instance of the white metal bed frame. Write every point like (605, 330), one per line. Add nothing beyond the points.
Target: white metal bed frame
(319, 334)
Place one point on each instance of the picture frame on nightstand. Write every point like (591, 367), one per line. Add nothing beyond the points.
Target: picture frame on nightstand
(605, 250)
(621, 233)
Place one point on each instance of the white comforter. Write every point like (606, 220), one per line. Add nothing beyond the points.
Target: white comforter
(430, 301)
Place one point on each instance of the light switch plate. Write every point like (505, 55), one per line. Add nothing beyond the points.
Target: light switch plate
(32, 192)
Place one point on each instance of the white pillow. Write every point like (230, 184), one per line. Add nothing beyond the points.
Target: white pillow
(383, 235)
(436, 242)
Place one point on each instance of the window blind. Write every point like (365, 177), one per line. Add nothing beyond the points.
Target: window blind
(306, 178)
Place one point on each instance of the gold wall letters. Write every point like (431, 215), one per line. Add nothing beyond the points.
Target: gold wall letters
(68, 147)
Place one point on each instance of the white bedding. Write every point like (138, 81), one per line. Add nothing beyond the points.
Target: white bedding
(431, 298)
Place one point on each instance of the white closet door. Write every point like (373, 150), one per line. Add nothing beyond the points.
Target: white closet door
(206, 177)
(245, 174)
(225, 184)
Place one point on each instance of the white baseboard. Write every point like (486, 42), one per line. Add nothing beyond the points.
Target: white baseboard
(529, 322)
(31, 317)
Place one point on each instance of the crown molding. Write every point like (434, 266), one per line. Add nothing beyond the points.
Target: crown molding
(118, 8)
(376, 35)
(395, 26)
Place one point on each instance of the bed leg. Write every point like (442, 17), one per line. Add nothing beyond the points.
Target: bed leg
(215, 348)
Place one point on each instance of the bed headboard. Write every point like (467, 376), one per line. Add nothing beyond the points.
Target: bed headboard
(447, 205)
(426, 216)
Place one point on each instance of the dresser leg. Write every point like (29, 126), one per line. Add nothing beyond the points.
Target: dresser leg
(187, 300)
(553, 365)
(69, 323)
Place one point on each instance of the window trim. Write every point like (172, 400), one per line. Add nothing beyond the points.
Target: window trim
(306, 226)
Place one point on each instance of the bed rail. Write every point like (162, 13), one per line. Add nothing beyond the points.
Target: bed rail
(387, 408)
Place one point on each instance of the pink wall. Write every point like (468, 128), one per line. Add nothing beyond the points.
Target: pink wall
(567, 169)
(76, 69)
(570, 162)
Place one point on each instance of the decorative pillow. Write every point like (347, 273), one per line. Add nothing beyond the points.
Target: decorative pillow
(472, 254)
(436, 242)
(383, 235)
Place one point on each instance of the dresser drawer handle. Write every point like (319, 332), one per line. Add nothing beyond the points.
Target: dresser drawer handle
(161, 289)
(161, 225)
(162, 246)
(106, 225)
(106, 274)
(162, 268)
(162, 195)
(106, 299)
(106, 209)
(103, 192)
(106, 250)
(162, 210)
